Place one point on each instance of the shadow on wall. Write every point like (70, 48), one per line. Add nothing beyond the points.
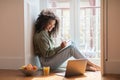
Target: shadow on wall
(36, 61)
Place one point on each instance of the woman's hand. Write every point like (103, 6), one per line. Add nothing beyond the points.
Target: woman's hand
(63, 44)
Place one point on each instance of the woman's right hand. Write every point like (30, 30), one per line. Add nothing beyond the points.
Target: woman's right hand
(63, 44)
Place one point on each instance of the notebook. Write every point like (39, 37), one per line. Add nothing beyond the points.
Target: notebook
(75, 67)
(68, 44)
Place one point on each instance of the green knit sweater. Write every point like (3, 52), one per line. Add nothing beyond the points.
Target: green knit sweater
(43, 44)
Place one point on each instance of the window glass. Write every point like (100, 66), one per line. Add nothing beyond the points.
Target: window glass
(62, 10)
(88, 28)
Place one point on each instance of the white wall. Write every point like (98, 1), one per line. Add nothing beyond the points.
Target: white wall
(11, 33)
(112, 36)
(16, 28)
(31, 12)
(16, 24)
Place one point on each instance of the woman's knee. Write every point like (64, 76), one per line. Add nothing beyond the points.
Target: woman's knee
(72, 46)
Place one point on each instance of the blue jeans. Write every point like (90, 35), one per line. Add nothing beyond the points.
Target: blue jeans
(55, 61)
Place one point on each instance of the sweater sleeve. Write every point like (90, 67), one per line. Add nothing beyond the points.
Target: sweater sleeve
(57, 49)
(44, 45)
(45, 49)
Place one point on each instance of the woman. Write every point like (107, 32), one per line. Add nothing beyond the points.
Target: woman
(46, 27)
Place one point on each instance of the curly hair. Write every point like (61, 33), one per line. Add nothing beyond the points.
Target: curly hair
(43, 19)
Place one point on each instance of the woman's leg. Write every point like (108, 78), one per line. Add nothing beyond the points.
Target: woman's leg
(90, 66)
(62, 56)
(77, 55)
(55, 61)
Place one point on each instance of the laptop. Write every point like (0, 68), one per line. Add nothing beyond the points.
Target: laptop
(75, 67)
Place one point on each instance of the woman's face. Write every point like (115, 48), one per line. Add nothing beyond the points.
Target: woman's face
(50, 25)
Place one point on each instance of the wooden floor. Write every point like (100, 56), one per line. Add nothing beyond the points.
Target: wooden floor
(18, 75)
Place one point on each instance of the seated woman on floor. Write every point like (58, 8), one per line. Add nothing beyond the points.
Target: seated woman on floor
(46, 28)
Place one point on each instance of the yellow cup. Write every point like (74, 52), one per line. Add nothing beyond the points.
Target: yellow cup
(46, 70)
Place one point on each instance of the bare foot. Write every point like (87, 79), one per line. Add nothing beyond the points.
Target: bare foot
(93, 68)
(97, 68)
(90, 68)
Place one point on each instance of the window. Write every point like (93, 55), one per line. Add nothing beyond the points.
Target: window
(79, 22)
